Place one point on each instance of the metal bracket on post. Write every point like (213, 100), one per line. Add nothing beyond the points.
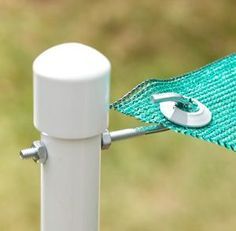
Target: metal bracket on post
(38, 151)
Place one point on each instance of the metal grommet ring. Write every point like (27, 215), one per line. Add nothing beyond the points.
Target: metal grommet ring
(168, 107)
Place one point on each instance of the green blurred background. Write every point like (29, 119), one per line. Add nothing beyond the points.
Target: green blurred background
(160, 182)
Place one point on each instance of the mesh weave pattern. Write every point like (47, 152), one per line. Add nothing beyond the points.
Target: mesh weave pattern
(214, 85)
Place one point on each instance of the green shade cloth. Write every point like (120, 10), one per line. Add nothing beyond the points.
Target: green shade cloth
(214, 85)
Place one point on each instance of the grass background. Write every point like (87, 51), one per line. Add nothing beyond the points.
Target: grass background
(160, 182)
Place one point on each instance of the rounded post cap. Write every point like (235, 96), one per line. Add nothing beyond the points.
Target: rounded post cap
(71, 91)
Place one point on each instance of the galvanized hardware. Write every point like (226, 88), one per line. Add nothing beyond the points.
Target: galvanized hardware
(169, 106)
(108, 137)
(37, 152)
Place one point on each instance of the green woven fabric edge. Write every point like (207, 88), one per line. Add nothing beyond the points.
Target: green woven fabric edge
(214, 85)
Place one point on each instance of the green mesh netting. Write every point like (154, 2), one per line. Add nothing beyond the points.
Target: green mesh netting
(214, 85)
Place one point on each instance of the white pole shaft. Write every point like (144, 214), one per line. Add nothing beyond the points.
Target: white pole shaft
(71, 102)
(70, 185)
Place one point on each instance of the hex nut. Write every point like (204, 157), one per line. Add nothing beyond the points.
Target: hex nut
(42, 152)
(106, 140)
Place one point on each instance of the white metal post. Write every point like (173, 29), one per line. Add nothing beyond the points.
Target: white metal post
(71, 99)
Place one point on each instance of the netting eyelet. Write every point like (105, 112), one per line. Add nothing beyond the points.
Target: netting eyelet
(168, 107)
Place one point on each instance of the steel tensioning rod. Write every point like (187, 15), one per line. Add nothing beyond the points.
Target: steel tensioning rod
(133, 132)
(109, 137)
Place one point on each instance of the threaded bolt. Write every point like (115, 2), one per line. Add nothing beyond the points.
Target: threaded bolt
(29, 153)
(37, 152)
